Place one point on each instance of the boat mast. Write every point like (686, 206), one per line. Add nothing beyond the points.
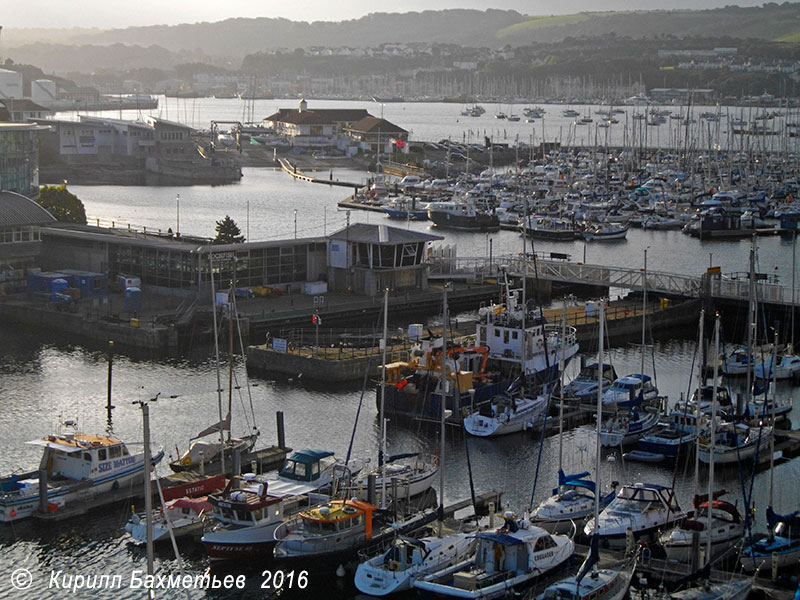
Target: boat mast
(751, 320)
(561, 383)
(700, 381)
(794, 261)
(644, 310)
(711, 443)
(383, 397)
(600, 350)
(216, 357)
(442, 415)
(230, 345)
(774, 406)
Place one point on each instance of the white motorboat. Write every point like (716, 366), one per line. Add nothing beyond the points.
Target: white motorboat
(643, 508)
(310, 470)
(79, 467)
(734, 443)
(606, 232)
(727, 528)
(408, 559)
(787, 366)
(512, 556)
(506, 414)
(631, 390)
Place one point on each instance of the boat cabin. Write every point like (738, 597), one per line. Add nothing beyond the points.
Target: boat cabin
(245, 502)
(705, 395)
(633, 388)
(641, 498)
(338, 516)
(83, 456)
(307, 465)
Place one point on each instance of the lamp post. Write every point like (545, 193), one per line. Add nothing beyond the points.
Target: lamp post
(178, 215)
(295, 224)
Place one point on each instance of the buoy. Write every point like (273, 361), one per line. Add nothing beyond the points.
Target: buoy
(340, 571)
(13, 513)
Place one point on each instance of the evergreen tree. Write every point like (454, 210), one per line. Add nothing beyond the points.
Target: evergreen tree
(62, 204)
(228, 232)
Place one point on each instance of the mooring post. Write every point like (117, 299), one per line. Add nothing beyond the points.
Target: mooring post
(281, 435)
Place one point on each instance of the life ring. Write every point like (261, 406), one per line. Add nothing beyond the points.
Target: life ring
(292, 346)
(436, 460)
(187, 460)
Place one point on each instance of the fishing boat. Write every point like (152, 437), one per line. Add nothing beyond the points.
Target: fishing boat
(726, 528)
(185, 516)
(584, 386)
(551, 228)
(75, 467)
(734, 442)
(513, 556)
(246, 518)
(334, 533)
(408, 559)
(464, 215)
(644, 508)
(782, 543)
(506, 414)
(406, 208)
(628, 426)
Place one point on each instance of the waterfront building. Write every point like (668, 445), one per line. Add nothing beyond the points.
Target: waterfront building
(10, 84)
(376, 134)
(97, 139)
(316, 127)
(379, 256)
(21, 220)
(22, 110)
(366, 259)
(19, 158)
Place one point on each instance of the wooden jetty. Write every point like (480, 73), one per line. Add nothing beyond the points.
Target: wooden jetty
(288, 167)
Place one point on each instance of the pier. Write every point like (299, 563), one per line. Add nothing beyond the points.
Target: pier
(292, 170)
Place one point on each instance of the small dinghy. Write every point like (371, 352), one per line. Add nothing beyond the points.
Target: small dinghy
(642, 456)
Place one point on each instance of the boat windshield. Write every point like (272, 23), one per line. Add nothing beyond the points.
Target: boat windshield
(635, 500)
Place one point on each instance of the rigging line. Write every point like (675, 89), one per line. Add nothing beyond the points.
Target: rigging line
(685, 411)
(457, 406)
(244, 356)
(546, 362)
(363, 390)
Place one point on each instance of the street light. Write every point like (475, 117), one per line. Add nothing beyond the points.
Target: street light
(178, 217)
(295, 223)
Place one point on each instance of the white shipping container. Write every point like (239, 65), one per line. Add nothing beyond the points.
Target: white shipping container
(313, 288)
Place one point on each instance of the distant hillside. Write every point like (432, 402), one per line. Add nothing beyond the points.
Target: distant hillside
(239, 37)
(769, 22)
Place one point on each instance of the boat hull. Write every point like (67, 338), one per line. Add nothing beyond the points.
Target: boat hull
(447, 220)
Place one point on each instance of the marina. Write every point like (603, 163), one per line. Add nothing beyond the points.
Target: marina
(312, 351)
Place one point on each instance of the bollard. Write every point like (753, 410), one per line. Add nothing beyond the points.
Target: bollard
(281, 435)
(695, 550)
(371, 488)
(491, 515)
(202, 464)
(774, 566)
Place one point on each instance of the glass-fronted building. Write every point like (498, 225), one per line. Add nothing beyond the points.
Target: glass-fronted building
(19, 158)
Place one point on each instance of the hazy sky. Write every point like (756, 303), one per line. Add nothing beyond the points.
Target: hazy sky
(106, 13)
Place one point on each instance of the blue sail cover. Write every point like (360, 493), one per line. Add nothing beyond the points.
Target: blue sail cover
(575, 480)
(774, 518)
(591, 559)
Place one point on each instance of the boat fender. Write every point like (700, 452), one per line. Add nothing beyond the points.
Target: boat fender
(115, 485)
(292, 346)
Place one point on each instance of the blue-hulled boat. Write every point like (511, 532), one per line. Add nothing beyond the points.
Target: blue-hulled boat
(783, 544)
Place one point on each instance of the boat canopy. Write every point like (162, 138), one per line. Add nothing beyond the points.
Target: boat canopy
(501, 538)
(56, 446)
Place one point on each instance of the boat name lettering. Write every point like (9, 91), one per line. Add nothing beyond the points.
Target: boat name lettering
(546, 554)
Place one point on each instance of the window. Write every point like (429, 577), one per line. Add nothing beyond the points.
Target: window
(87, 457)
(114, 452)
(101, 454)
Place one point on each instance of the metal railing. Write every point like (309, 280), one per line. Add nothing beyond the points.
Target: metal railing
(657, 282)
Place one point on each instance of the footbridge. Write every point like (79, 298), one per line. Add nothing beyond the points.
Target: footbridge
(556, 267)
